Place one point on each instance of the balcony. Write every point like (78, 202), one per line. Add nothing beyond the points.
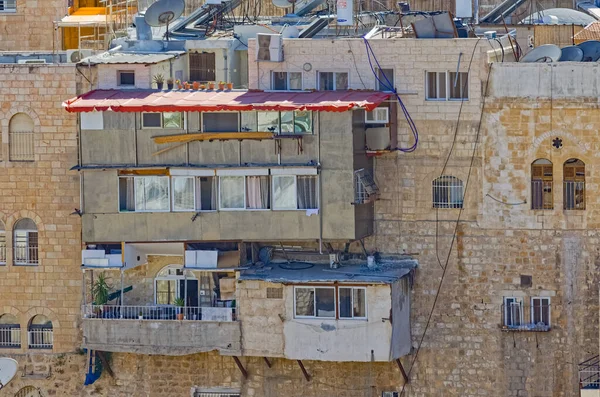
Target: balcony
(161, 329)
(10, 336)
(589, 377)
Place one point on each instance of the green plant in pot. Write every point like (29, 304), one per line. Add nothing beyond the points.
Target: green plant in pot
(159, 79)
(100, 292)
(170, 84)
(180, 303)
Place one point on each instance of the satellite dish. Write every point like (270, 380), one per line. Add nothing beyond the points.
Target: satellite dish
(8, 370)
(543, 53)
(571, 54)
(283, 3)
(163, 12)
(591, 50)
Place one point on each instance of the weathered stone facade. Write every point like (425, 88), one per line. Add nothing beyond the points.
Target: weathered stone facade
(31, 27)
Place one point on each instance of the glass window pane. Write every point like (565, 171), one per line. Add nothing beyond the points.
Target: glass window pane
(257, 192)
(341, 81)
(442, 85)
(359, 308)
(206, 193)
(151, 120)
(431, 85)
(307, 192)
(220, 122)
(325, 302)
(303, 122)
(156, 193)
(232, 192)
(268, 121)
(305, 301)
(279, 81)
(383, 84)
(165, 292)
(183, 193)
(172, 120)
(249, 121)
(345, 302)
(326, 81)
(126, 78)
(295, 81)
(284, 192)
(287, 123)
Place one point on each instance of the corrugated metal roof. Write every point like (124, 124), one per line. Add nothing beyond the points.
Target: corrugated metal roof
(590, 32)
(131, 57)
(385, 272)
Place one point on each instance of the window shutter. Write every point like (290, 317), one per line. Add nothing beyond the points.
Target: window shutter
(537, 172)
(569, 172)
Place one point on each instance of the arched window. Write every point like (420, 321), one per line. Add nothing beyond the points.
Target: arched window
(2, 244)
(40, 332)
(172, 283)
(25, 243)
(541, 185)
(574, 184)
(447, 192)
(10, 332)
(20, 138)
(29, 391)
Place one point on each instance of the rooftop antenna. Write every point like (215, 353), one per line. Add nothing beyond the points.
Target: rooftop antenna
(163, 12)
(8, 370)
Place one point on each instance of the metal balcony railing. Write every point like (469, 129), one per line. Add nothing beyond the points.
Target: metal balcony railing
(116, 312)
(25, 254)
(42, 338)
(10, 336)
(21, 147)
(574, 195)
(589, 374)
(519, 317)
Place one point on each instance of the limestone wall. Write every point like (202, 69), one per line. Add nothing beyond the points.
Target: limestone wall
(31, 28)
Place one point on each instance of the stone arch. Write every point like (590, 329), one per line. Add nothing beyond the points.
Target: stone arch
(16, 216)
(34, 311)
(29, 391)
(20, 109)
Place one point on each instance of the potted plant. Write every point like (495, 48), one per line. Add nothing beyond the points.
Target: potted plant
(196, 85)
(178, 82)
(186, 85)
(230, 86)
(140, 315)
(159, 79)
(100, 292)
(202, 86)
(180, 303)
(221, 85)
(170, 83)
(211, 85)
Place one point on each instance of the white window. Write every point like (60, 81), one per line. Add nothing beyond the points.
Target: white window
(291, 192)
(513, 312)
(206, 193)
(385, 80)
(333, 81)
(540, 311)
(231, 193)
(126, 78)
(353, 302)
(444, 86)
(183, 193)
(258, 192)
(26, 242)
(8, 5)
(285, 81)
(284, 123)
(377, 116)
(312, 302)
(162, 120)
(447, 192)
(144, 194)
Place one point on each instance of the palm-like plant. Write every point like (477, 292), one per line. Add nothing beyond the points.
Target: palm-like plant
(100, 290)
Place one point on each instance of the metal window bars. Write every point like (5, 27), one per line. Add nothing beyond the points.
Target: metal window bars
(42, 338)
(21, 146)
(541, 195)
(158, 312)
(365, 188)
(10, 336)
(574, 195)
(26, 249)
(447, 192)
(519, 317)
(589, 374)
(2, 248)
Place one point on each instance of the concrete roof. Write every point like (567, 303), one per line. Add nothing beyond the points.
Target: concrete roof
(130, 57)
(386, 271)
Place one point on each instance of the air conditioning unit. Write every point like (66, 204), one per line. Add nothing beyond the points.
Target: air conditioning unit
(269, 47)
(74, 56)
(30, 61)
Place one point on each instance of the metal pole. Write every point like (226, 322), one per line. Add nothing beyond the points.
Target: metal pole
(122, 274)
(184, 288)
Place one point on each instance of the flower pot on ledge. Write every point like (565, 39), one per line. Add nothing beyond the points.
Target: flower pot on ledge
(180, 316)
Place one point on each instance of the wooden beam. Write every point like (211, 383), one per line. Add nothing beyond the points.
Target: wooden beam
(105, 364)
(240, 366)
(267, 362)
(399, 363)
(306, 375)
(212, 136)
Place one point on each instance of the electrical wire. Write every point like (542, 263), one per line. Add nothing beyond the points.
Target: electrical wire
(390, 87)
(355, 66)
(445, 268)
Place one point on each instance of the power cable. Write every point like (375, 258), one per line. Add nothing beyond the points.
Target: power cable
(445, 268)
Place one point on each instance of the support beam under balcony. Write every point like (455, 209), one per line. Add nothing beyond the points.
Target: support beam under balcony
(304, 372)
(268, 362)
(401, 368)
(240, 366)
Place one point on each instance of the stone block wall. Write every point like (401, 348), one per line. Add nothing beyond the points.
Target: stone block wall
(31, 28)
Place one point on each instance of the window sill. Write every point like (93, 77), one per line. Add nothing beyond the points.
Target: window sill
(525, 328)
(8, 12)
(25, 264)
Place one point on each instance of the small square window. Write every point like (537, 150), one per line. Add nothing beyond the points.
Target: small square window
(151, 120)
(377, 116)
(126, 77)
(333, 81)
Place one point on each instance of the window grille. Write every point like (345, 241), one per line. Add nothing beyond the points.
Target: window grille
(541, 185)
(574, 185)
(8, 5)
(447, 192)
(365, 188)
(274, 293)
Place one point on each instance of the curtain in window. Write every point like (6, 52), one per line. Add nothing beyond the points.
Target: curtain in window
(232, 192)
(257, 192)
(307, 192)
(359, 300)
(325, 302)
(165, 292)
(345, 302)
(341, 81)
(206, 193)
(326, 81)
(152, 193)
(183, 193)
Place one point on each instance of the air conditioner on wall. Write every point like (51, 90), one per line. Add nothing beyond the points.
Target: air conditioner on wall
(269, 47)
(74, 56)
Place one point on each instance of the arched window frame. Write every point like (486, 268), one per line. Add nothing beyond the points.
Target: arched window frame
(25, 243)
(169, 278)
(574, 184)
(10, 331)
(448, 192)
(542, 185)
(40, 336)
(21, 140)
